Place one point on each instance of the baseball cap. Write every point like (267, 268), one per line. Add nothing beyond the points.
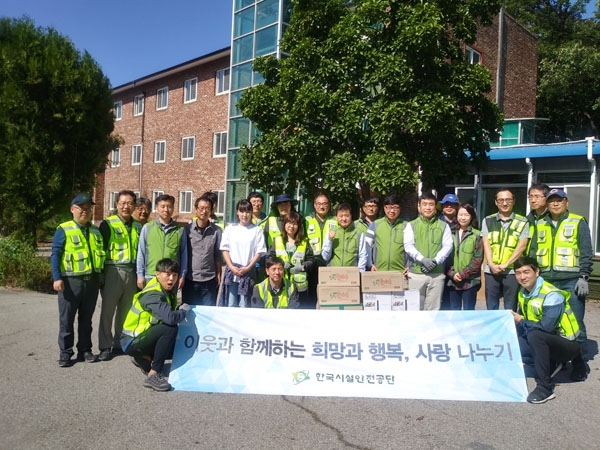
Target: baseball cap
(556, 192)
(449, 198)
(80, 199)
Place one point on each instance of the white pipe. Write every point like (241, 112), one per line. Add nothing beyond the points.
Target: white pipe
(529, 179)
(593, 188)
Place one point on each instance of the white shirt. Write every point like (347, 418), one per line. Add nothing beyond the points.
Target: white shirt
(243, 243)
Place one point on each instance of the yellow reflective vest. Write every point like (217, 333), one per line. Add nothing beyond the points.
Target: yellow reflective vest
(503, 243)
(558, 249)
(138, 319)
(315, 234)
(533, 309)
(122, 245)
(286, 292)
(296, 259)
(81, 256)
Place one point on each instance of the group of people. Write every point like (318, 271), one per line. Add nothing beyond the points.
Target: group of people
(272, 261)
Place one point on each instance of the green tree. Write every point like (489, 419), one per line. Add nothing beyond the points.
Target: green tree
(55, 124)
(368, 94)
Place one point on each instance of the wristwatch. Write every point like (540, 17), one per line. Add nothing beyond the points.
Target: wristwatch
(584, 277)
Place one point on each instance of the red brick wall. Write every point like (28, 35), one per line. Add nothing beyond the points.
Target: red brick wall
(201, 119)
(520, 70)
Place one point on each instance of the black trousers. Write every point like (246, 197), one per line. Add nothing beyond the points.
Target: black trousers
(78, 298)
(541, 348)
(157, 342)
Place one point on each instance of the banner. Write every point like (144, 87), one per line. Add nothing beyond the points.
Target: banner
(443, 355)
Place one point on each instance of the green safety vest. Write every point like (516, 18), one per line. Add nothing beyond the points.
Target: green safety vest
(465, 249)
(286, 292)
(558, 249)
(428, 234)
(122, 245)
(81, 256)
(297, 258)
(138, 319)
(503, 243)
(162, 245)
(344, 247)
(532, 309)
(314, 233)
(389, 244)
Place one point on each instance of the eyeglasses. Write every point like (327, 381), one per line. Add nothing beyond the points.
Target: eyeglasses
(505, 200)
(84, 208)
(125, 204)
(370, 206)
(203, 208)
(392, 207)
(322, 204)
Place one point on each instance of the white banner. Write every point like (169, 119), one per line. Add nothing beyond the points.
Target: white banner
(445, 355)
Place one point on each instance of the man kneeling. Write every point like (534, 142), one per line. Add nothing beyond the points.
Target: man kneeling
(275, 291)
(150, 329)
(546, 326)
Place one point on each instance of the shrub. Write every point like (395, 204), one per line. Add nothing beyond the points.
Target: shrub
(21, 267)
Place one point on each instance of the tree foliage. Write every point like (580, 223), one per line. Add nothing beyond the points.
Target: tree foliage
(569, 65)
(368, 94)
(55, 124)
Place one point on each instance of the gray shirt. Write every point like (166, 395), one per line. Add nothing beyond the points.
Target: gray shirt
(203, 251)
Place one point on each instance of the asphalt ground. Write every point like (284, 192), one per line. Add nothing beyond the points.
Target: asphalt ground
(104, 405)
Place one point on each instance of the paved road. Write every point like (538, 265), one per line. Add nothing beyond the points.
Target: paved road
(105, 406)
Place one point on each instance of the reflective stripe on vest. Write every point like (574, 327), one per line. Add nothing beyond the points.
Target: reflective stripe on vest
(122, 245)
(532, 309)
(138, 319)
(81, 256)
(296, 259)
(503, 243)
(285, 293)
(558, 250)
(314, 234)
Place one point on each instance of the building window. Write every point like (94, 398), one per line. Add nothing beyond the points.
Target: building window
(185, 202)
(220, 144)
(160, 151)
(222, 81)
(220, 211)
(138, 105)
(112, 201)
(162, 98)
(155, 195)
(187, 147)
(473, 56)
(190, 90)
(136, 155)
(118, 110)
(115, 157)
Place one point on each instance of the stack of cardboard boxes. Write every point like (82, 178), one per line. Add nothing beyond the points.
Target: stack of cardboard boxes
(385, 291)
(342, 288)
(339, 288)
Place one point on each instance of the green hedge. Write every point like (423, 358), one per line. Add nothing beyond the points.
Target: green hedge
(20, 266)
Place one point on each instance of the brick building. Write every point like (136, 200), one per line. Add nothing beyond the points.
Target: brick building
(173, 124)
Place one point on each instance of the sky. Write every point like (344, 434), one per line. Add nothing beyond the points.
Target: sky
(130, 39)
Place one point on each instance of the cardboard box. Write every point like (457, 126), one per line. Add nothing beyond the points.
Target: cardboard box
(340, 307)
(338, 295)
(384, 281)
(408, 300)
(382, 300)
(339, 276)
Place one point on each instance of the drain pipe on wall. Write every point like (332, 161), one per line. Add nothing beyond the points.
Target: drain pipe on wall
(593, 187)
(529, 179)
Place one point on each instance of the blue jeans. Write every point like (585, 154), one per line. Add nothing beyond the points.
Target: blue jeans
(200, 292)
(504, 285)
(463, 299)
(233, 299)
(577, 303)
